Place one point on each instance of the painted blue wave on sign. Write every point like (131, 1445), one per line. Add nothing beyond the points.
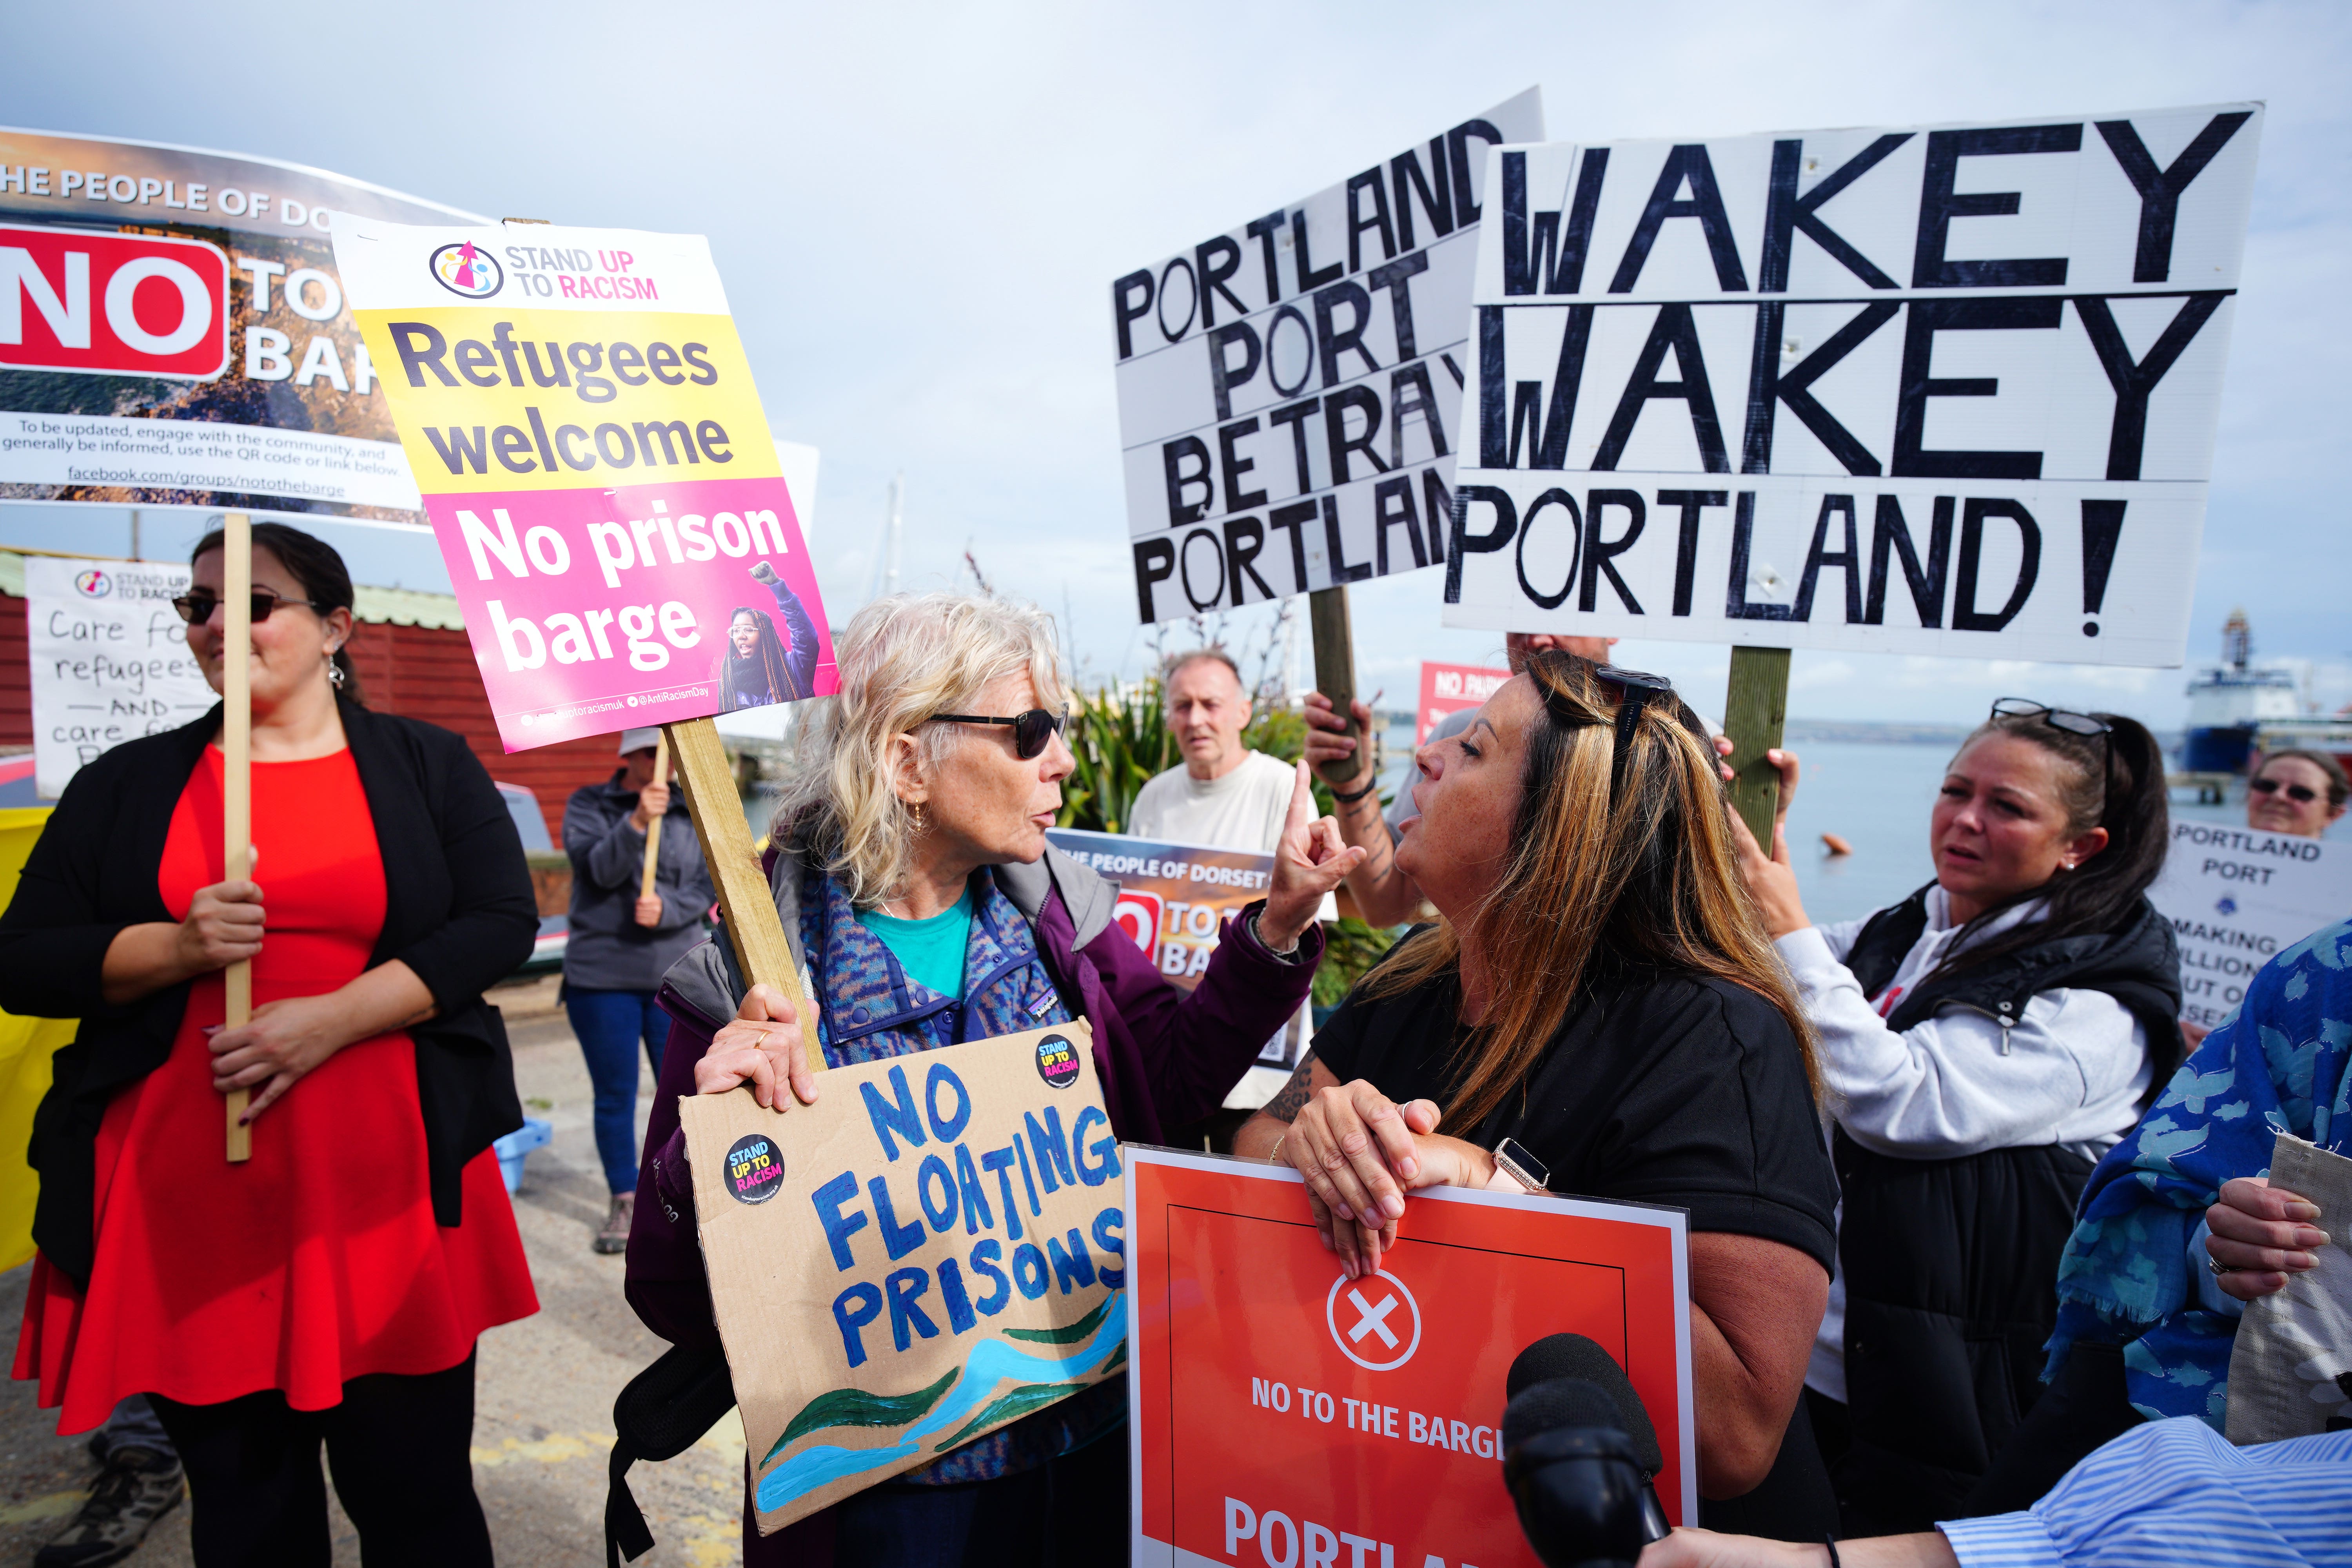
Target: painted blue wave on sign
(990, 1363)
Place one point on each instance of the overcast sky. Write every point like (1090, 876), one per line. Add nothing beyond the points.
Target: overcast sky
(917, 212)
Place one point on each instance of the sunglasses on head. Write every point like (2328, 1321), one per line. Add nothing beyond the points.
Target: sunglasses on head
(2083, 725)
(1031, 731)
(197, 608)
(1637, 690)
(2302, 794)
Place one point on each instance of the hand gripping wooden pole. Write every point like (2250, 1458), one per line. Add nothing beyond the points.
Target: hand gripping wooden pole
(236, 782)
(1335, 673)
(654, 827)
(1753, 711)
(744, 900)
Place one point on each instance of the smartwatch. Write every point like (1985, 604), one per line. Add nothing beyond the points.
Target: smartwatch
(1514, 1158)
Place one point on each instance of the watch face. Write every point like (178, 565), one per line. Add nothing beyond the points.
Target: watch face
(1533, 1172)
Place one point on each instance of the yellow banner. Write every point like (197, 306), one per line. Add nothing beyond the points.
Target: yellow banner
(554, 400)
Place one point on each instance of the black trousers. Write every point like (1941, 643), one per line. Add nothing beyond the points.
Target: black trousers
(399, 1450)
(2086, 1407)
(1069, 1513)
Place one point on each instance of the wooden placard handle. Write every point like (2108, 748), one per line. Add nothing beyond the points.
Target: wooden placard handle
(754, 927)
(1754, 710)
(654, 827)
(236, 782)
(1335, 673)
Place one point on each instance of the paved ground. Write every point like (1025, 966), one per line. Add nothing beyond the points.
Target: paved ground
(544, 1418)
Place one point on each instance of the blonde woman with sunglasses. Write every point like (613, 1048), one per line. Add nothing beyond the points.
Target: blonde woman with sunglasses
(918, 890)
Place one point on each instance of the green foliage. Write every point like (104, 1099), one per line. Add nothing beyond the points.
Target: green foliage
(1120, 741)
(1349, 947)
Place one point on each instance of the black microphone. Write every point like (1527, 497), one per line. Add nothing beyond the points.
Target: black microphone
(1579, 1453)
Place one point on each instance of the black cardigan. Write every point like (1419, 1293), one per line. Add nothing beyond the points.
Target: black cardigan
(459, 911)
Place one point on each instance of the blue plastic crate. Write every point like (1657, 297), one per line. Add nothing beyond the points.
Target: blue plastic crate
(532, 1134)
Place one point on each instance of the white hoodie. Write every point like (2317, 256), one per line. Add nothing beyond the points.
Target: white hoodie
(2069, 1071)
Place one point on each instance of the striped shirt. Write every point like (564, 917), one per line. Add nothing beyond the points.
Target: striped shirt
(2175, 1492)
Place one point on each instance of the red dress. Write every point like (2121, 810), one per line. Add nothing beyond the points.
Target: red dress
(318, 1260)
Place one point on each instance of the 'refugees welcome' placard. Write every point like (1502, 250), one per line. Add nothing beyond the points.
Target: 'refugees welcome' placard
(582, 422)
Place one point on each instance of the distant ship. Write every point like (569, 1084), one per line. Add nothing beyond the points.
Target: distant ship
(2232, 702)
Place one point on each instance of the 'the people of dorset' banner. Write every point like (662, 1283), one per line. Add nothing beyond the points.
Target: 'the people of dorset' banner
(582, 424)
(181, 335)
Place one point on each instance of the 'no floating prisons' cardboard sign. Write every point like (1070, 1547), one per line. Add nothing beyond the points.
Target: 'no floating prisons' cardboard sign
(1937, 389)
(1290, 390)
(932, 1250)
(581, 419)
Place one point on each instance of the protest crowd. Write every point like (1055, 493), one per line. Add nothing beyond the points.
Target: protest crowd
(1976, 1256)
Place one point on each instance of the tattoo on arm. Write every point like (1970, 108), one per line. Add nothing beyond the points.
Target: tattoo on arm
(1285, 1107)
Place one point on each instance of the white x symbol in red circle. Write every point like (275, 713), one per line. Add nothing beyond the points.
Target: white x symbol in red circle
(1370, 1322)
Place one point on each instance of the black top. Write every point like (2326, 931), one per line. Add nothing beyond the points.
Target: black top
(458, 909)
(1673, 1089)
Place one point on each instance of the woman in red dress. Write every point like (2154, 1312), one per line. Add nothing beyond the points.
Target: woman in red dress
(330, 1289)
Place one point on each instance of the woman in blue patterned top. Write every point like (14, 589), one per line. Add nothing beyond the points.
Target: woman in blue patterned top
(2177, 1227)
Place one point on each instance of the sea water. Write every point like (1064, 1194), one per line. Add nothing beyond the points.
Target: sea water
(1878, 797)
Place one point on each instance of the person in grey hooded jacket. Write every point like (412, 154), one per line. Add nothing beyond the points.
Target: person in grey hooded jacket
(622, 944)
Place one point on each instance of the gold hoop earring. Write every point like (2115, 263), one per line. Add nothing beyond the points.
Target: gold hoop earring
(916, 811)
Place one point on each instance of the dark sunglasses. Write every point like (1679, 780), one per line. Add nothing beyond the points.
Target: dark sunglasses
(1031, 731)
(1637, 690)
(197, 608)
(2302, 794)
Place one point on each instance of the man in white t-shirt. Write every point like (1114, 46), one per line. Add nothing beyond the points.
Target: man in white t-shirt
(1225, 795)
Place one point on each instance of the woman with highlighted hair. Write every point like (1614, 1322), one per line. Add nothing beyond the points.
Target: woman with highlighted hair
(1595, 1011)
(758, 668)
(919, 895)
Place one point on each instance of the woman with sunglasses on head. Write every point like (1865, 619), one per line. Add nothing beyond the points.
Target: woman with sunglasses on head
(921, 898)
(1595, 1011)
(2296, 790)
(1982, 1043)
(329, 1288)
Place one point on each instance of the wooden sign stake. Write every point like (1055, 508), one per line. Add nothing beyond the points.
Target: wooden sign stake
(652, 833)
(1335, 671)
(1753, 712)
(752, 925)
(236, 782)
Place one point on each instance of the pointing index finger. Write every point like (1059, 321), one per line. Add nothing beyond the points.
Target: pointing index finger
(1302, 804)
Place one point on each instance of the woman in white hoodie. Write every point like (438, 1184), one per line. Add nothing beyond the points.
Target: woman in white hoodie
(1982, 1044)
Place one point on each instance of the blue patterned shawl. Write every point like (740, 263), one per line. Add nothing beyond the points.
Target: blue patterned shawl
(2277, 1065)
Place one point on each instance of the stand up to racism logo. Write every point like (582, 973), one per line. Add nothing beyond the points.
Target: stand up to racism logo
(463, 269)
